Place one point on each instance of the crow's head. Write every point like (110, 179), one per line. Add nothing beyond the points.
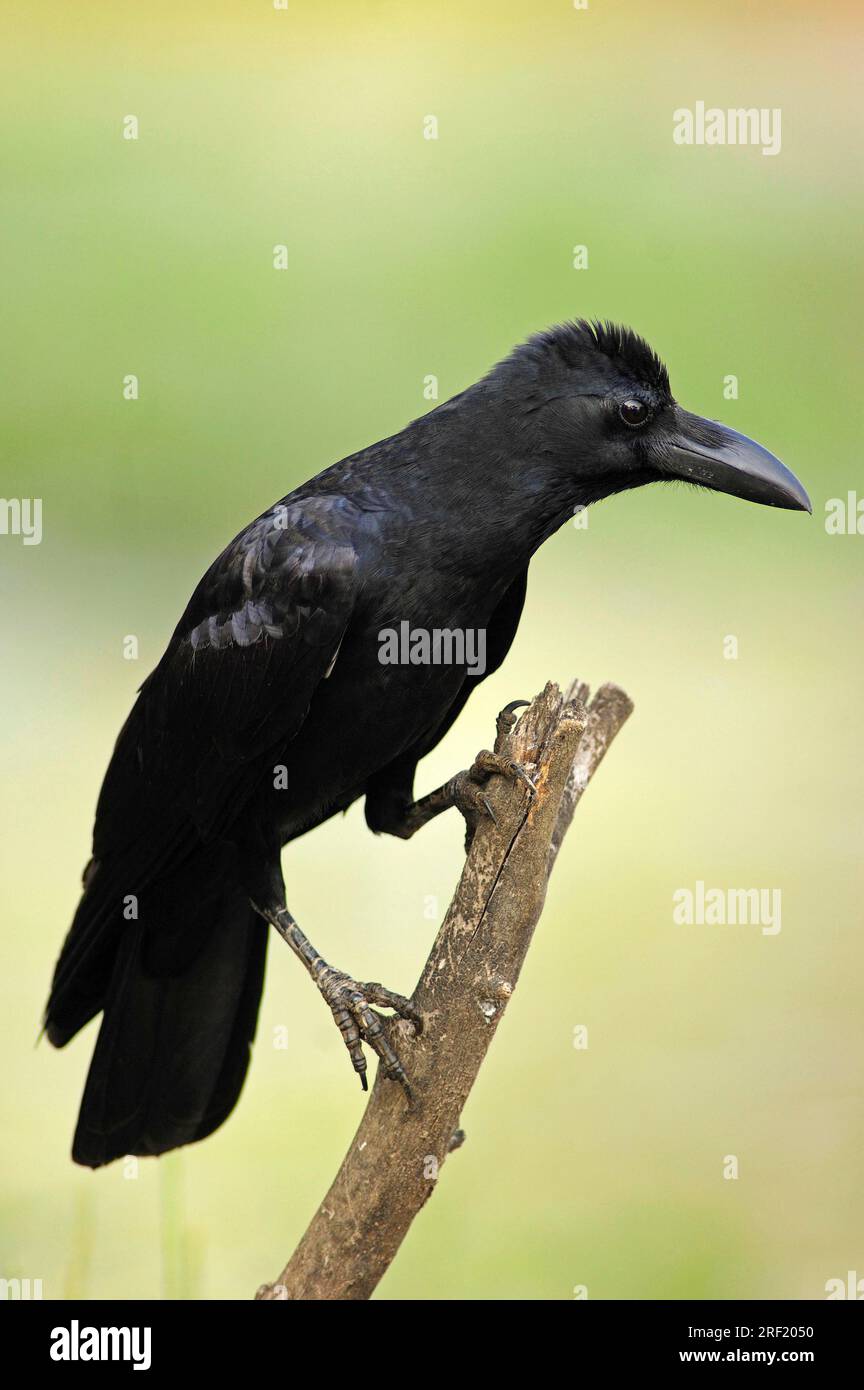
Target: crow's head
(596, 400)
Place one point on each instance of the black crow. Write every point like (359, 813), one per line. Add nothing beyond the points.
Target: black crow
(276, 705)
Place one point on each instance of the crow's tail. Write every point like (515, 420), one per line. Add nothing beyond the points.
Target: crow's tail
(179, 988)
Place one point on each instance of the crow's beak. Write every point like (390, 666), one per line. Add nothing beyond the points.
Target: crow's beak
(717, 457)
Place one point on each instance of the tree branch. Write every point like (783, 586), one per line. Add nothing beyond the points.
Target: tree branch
(393, 1163)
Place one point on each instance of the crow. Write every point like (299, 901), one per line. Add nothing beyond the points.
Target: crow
(273, 708)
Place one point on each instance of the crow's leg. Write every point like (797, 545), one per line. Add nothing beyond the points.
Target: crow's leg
(465, 791)
(349, 1001)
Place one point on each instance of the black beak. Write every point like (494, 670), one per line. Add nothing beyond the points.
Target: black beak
(716, 457)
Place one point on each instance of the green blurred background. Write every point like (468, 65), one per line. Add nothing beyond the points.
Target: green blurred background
(409, 257)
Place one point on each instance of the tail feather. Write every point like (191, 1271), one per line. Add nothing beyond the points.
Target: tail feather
(172, 1053)
(86, 960)
(180, 989)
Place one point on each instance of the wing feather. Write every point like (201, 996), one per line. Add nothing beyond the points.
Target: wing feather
(241, 670)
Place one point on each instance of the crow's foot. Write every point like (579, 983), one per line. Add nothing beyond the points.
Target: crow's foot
(350, 1002)
(468, 788)
(465, 790)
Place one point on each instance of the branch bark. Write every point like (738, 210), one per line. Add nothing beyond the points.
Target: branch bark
(394, 1161)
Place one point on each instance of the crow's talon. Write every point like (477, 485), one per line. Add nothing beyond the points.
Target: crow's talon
(505, 722)
(519, 771)
(388, 999)
(488, 764)
(469, 797)
(467, 788)
(358, 1023)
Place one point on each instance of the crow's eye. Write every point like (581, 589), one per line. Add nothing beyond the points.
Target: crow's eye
(633, 412)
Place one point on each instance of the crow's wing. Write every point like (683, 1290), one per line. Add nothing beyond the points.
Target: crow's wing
(260, 632)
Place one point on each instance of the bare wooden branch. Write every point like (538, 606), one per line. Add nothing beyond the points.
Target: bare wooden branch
(395, 1159)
